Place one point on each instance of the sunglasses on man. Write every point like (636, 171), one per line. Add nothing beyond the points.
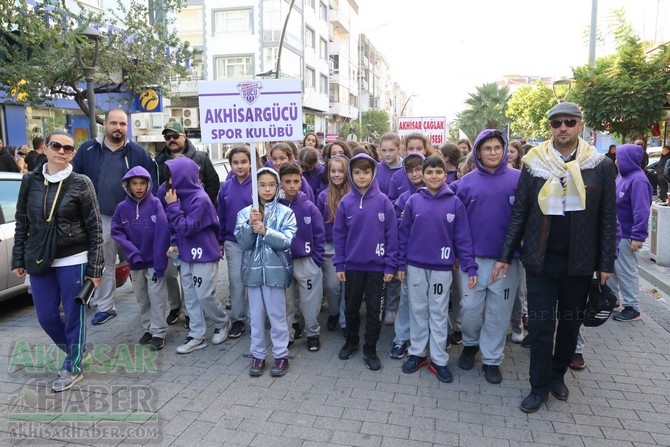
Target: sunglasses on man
(568, 122)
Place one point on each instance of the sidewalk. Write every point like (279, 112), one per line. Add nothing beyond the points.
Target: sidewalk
(208, 399)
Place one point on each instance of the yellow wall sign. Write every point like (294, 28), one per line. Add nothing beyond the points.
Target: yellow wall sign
(149, 100)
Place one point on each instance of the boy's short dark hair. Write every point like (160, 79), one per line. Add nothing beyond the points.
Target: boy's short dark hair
(288, 169)
(362, 163)
(434, 161)
(409, 163)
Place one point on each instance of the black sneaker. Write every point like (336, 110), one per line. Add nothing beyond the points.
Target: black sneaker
(187, 322)
(157, 343)
(578, 362)
(525, 343)
(333, 322)
(279, 367)
(173, 316)
(257, 367)
(236, 330)
(492, 374)
(298, 332)
(399, 349)
(467, 359)
(145, 339)
(456, 338)
(441, 372)
(313, 343)
(413, 363)
(347, 351)
(370, 357)
(627, 314)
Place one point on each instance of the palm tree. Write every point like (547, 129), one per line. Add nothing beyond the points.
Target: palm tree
(486, 109)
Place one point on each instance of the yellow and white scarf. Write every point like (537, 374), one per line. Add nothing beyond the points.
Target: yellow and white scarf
(564, 189)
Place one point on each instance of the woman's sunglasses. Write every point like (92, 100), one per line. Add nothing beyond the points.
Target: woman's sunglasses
(57, 147)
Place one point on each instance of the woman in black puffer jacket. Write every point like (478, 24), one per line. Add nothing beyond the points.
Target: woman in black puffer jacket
(78, 255)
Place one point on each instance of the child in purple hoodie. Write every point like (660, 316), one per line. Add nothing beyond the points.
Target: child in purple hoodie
(411, 165)
(488, 194)
(365, 237)
(307, 251)
(433, 233)
(140, 227)
(235, 194)
(633, 199)
(195, 226)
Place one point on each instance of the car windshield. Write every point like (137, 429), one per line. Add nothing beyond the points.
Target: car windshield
(9, 192)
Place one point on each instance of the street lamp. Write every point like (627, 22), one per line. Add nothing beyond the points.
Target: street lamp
(563, 81)
(93, 36)
(405, 105)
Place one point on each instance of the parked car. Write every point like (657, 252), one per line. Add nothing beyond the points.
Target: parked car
(10, 285)
(654, 157)
(222, 168)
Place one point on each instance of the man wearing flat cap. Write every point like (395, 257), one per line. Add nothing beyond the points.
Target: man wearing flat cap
(565, 213)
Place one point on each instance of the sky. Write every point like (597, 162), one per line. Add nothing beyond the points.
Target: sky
(441, 50)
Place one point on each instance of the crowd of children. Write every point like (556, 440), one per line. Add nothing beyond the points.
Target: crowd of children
(344, 224)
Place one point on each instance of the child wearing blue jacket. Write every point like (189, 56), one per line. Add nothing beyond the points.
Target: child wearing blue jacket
(140, 227)
(433, 233)
(307, 251)
(265, 235)
(194, 226)
(365, 237)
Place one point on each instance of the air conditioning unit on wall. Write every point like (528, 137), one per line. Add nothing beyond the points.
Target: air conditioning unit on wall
(140, 124)
(190, 118)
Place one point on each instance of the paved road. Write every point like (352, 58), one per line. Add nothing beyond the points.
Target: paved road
(207, 398)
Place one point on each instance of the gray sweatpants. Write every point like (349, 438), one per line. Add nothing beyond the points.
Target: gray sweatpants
(401, 325)
(268, 301)
(487, 309)
(174, 296)
(103, 298)
(429, 312)
(333, 289)
(199, 283)
(626, 278)
(238, 301)
(307, 289)
(151, 295)
(520, 303)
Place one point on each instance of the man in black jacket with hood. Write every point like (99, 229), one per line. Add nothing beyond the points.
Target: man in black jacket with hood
(177, 143)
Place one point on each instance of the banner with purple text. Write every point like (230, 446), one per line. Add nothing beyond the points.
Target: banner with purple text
(249, 111)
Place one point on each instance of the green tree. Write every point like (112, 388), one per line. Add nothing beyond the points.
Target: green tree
(624, 92)
(39, 50)
(375, 123)
(527, 110)
(486, 109)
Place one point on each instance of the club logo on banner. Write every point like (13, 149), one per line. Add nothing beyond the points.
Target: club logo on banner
(250, 111)
(250, 91)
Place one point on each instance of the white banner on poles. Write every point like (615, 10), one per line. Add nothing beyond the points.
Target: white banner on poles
(249, 111)
(434, 127)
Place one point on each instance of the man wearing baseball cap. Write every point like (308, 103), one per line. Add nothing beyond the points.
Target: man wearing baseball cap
(176, 143)
(565, 212)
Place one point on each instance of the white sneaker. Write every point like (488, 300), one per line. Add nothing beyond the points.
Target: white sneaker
(65, 380)
(517, 338)
(191, 345)
(221, 334)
